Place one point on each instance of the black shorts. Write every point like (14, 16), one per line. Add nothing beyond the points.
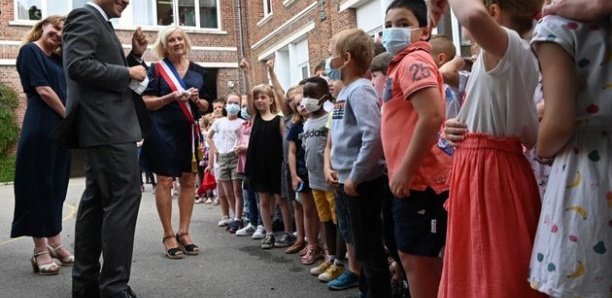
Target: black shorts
(420, 223)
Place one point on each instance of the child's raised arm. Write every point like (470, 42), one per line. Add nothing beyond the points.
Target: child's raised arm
(559, 82)
(473, 15)
(246, 69)
(583, 10)
(279, 92)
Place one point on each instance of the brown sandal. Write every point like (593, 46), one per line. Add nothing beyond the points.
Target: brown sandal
(44, 269)
(190, 248)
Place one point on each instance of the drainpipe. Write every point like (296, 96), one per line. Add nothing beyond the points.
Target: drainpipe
(241, 42)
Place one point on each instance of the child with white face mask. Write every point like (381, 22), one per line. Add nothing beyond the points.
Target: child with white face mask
(223, 138)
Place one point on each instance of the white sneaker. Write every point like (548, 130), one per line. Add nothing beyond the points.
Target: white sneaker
(224, 221)
(199, 201)
(260, 233)
(246, 231)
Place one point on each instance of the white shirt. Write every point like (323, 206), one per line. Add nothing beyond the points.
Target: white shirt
(226, 134)
(499, 102)
(96, 6)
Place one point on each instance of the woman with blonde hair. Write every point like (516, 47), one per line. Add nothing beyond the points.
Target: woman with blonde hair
(43, 166)
(176, 96)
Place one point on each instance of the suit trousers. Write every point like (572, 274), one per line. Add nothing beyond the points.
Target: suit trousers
(106, 221)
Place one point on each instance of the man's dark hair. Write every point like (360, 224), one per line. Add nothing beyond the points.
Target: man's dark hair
(418, 8)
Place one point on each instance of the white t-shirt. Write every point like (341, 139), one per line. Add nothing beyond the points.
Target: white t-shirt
(499, 102)
(226, 134)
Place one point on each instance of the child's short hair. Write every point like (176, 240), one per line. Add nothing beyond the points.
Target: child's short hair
(521, 12)
(320, 66)
(381, 62)
(204, 121)
(265, 89)
(219, 100)
(417, 7)
(379, 48)
(441, 43)
(320, 82)
(359, 44)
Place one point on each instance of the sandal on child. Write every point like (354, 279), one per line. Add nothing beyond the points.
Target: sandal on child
(66, 261)
(173, 252)
(44, 269)
(190, 248)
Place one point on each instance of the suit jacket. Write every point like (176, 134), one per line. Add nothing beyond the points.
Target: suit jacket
(100, 108)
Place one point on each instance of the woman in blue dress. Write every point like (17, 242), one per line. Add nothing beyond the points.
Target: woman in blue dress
(43, 165)
(175, 96)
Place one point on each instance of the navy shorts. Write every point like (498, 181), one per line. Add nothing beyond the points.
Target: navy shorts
(342, 215)
(420, 222)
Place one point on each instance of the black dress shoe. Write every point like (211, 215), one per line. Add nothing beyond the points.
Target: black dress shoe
(125, 294)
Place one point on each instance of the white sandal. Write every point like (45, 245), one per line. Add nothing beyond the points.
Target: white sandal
(46, 269)
(67, 261)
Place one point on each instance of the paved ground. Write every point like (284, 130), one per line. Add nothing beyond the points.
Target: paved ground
(228, 266)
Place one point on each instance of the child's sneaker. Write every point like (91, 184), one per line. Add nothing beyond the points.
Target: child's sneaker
(224, 221)
(246, 231)
(260, 232)
(235, 226)
(199, 201)
(346, 280)
(216, 202)
(208, 201)
(322, 267)
(268, 242)
(285, 240)
(332, 272)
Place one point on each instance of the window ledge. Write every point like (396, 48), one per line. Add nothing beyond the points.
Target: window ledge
(149, 28)
(286, 3)
(264, 20)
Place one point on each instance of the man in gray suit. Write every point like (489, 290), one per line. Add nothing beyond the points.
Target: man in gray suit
(103, 117)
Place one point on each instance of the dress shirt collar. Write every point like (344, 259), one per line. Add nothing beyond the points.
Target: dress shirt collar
(102, 12)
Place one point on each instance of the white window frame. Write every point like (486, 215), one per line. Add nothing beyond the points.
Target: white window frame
(267, 8)
(125, 22)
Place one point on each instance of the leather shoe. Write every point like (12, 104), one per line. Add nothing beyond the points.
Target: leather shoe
(125, 294)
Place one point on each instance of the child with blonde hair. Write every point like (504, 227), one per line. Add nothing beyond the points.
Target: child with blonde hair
(264, 162)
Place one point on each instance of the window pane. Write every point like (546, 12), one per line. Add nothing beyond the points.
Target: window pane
(143, 12)
(187, 13)
(208, 14)
(28, 10)
(58, 7)
(165, 16)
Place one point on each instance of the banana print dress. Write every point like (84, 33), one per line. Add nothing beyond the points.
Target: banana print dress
(571, 255)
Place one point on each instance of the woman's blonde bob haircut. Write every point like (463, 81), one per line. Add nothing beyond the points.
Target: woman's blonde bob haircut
(160, 47)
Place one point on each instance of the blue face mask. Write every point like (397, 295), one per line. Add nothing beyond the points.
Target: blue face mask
(396, 39)
(334, 74)
(232, 109)
(244, 113)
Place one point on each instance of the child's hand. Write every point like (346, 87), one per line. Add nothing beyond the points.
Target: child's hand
(244, 64)
(399, 185)
(435, 11)
(295, 181)
(350, 188)
(270, 65)
(581, 10)
(240, 150)
(454, 131)
(331, 177)
(207, 169)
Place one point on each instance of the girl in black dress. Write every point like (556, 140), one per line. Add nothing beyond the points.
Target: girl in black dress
(43, 165)
(264, 162)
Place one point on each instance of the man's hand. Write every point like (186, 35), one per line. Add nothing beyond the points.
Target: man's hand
(138, 73)
(139, 42)
(454, 131)
(350, 188)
